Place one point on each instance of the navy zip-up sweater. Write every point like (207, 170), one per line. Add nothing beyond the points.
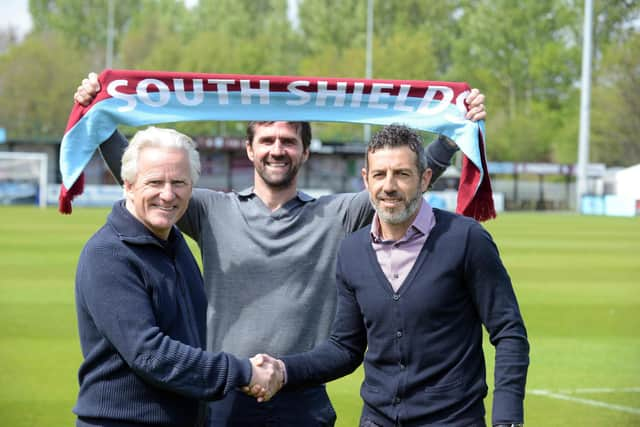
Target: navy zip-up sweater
(424, 364)
(141, 312)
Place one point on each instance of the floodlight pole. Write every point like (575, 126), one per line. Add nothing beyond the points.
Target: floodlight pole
(108, 60)
(366, 135)
(585, 101)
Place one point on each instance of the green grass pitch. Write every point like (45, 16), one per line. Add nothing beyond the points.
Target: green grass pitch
(577, 279)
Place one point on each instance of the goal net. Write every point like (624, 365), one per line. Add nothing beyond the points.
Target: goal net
(23, 178)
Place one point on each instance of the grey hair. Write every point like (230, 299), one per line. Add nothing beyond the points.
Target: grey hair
(158, 138)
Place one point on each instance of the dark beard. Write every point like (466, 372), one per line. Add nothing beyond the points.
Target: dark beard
(284, 182)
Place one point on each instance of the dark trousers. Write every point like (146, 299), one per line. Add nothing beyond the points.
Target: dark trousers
(372, 418)
(308, 407)
(366, 422)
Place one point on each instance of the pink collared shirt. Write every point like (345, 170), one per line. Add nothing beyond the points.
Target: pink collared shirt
(396, 258)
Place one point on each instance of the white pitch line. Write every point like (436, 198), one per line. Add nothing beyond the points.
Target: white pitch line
(590, 402)
(602, 390)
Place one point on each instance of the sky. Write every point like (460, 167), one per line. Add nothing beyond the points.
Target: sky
(15, 14)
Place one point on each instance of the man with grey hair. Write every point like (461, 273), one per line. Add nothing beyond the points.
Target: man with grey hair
(141, 304)
(414, 291)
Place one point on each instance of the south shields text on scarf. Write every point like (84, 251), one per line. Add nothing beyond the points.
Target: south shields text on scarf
(138, 98)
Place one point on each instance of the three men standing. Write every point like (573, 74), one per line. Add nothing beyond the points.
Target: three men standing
(269, 255)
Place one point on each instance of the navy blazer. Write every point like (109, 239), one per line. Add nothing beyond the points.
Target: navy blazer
(424, 362)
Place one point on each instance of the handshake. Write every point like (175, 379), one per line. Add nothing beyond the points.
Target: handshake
(267, 377)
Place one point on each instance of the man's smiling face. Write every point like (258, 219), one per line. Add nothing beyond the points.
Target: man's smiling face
(160, 194)
(277, 154)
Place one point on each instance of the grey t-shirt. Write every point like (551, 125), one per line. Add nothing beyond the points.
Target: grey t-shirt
(270, 276)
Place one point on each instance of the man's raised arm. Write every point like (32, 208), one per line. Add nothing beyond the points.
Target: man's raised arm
(113, 148)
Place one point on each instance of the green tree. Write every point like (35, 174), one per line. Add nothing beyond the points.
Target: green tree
(615, 111)
(342, 24)
(615, 116)
(243, 37)
(526, 56)
(156, 35)
(407, 55)
(614, 21)
(250, 21)
(239, 18)
(401, 49)
(36, 83)
(82, 23)
(8, 37)
(523, 57)
(436, 22)
(337, 23)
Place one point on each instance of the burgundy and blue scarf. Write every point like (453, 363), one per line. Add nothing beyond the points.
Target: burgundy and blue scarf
(138, 98)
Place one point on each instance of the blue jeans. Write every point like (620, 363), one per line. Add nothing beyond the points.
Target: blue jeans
(308, 407)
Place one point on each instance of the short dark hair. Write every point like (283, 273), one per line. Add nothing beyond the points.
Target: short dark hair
(303, 129)
(396, 135)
